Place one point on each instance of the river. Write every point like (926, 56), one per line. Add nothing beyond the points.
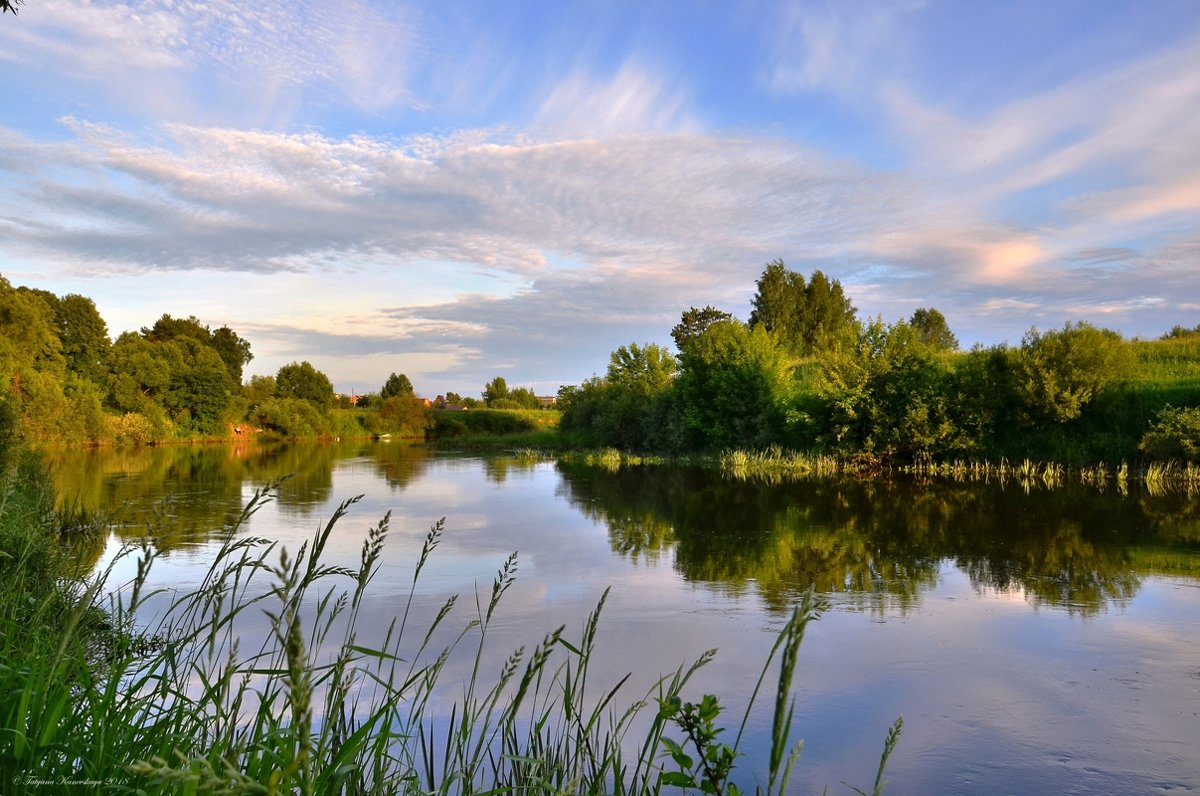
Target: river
(1034, 640)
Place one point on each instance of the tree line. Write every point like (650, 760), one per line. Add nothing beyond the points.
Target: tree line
(805, 372)
(68, 381)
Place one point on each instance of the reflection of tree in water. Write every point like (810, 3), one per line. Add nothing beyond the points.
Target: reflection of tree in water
(177, 493)
(184, 494)
(498, 468)
(399, 465)
(877, 543)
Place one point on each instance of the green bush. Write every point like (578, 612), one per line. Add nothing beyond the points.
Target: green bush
(137, 428)
(1174, 434)
(480, 421)
(1059, 372)
(291, 417)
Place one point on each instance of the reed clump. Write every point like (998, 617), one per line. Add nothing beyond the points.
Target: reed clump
(192, 705)
(774, 464)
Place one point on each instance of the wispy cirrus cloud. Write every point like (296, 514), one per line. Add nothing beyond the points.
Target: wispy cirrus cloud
(170, 56)
(632, 101)
(833, 46)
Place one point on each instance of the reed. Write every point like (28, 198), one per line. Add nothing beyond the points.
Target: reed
(775, 464)
(178, 700)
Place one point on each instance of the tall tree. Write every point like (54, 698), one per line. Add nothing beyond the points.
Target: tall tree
(734, 387)
(141, 373)
(779, 302)
(301, 380)
(396, 384)
(828, 319)
(694, 322)
(233, 350)
(641, 370)
(28, 336)
(523, 397)
(932, 330)
(169, 328)
(806, 317)
(84, 336)
(496, 390)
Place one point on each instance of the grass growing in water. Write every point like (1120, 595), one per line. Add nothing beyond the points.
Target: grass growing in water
(195, 708)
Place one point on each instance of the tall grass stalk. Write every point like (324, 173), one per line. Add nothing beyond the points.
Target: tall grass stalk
(186, 703)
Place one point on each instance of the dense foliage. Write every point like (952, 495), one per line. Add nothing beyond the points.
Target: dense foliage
(807, 374)
(67, 381)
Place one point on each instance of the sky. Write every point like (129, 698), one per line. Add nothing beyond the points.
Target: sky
(457, 191)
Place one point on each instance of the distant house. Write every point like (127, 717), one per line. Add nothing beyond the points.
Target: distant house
(439, 402)
(547, 401)
(426, 402)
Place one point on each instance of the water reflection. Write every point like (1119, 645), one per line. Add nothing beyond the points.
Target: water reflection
(184, 495)
(870, 544)
(940, 580)
(877, 544)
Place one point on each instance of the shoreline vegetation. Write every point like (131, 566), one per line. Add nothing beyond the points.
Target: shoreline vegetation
(121, 688)
(802, 383)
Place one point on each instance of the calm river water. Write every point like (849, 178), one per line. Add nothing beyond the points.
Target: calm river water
(1034, 641)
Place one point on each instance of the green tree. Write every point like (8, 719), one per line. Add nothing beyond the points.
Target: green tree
(932, 329)
(233, 350)
(733, 387)
(1178, 331)
(141, 373)
(829, 318)
(28, 336)
(523, 398)
(779, 303)
(401, 414)
(168, 328)
(259, 390)
(888, 395)
(694, 322)
(806, 317)
(1059, 372)
(302, 381)
(397, 384)
(641, 370)
(84, 337)
(200, 391)
(983, 398)
(291, 417)
(182, 378)
(495, 390)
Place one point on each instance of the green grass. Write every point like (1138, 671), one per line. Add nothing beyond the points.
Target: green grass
(167, 699)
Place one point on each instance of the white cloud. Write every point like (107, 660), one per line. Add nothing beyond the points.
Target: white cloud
(170, 56)
(833, 46)
(632, 101)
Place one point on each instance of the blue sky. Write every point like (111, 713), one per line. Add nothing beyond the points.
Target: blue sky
(462, 190)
